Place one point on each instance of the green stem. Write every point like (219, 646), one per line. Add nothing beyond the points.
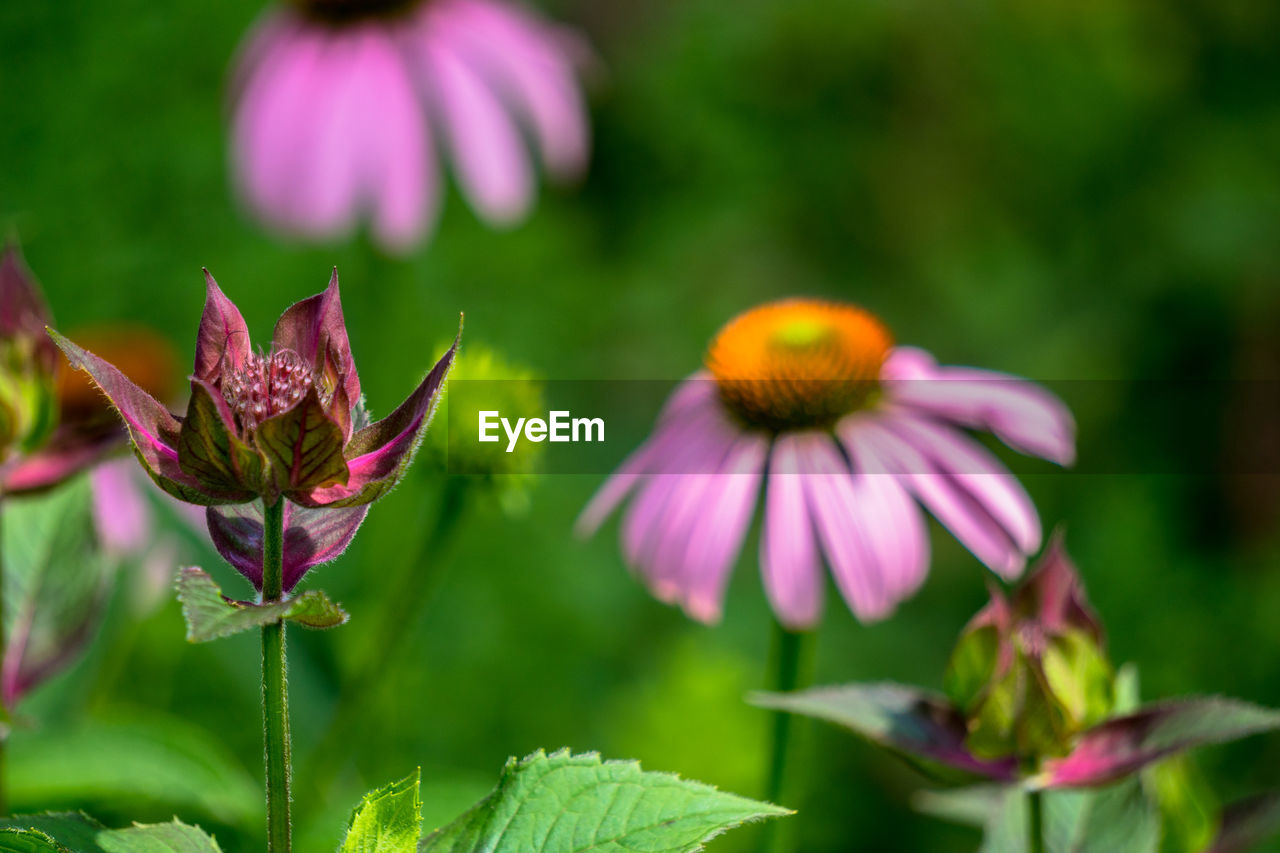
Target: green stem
(1035, 822)
(275, 685)
(789, 672)
(4, 710)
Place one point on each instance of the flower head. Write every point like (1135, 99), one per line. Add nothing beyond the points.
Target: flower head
(846, 432)
(339, 104)
(27, 363)
(1030, 673)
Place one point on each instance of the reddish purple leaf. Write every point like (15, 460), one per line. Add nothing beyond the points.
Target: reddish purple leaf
(152, 429)
(1124, 745)
(304, 447)
(378, 454)
(315, 329)
(904, 719)
(23, 310)
(68, 451)
(311, 537)
(223, 337)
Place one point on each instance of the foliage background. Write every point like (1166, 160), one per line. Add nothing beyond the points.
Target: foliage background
(1059, 189)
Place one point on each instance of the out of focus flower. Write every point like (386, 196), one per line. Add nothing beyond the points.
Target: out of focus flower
(51, 428)
(288, 422)
(482, 378)
(1031, 673)
(849, 431)
(1059, 728)
(340, 104)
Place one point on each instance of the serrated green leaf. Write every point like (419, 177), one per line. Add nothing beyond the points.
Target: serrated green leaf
(152, 757)
(388, 820)
(28, 841)
(210, 615)
(75, 831)
(172, 837)
(55, 579)
(563, 803)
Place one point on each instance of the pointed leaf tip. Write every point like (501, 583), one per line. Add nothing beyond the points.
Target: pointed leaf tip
(560, 803)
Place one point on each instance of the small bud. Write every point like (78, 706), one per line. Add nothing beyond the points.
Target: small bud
(1030, 673)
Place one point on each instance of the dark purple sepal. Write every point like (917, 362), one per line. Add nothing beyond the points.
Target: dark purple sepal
(311, 537)
(913, 722)
(1124, 745)
(315, 329)
(303, 448)
(1054, 597)
(378, 454)
(209, 448)
(223, 339)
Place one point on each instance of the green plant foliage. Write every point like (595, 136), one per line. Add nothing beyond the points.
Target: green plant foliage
(76, 832)
(150, 756)
(211, 615)
(562, 803)
(388, 820)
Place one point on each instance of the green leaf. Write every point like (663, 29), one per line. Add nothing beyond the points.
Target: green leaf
(972, 666)
(211, 615)
(1119, 818)
(304, 447)
(563, 803)
(172, 837)
(149, 757)
(388, 820)
(28, 841)
(73, 830)
(55, 579)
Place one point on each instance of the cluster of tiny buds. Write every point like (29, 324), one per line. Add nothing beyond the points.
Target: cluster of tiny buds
(265, 385)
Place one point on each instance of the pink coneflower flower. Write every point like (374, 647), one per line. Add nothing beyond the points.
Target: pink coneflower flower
(340, 106)
(846, 434)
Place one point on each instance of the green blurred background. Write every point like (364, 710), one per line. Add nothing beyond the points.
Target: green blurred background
(1061, 189)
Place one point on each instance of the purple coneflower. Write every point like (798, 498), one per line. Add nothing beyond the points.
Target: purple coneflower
(340, 105)
(846, 434)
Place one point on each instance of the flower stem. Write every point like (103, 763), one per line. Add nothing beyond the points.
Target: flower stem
(4, 710)
(789, 673)
(1035, 822)
(275, 685)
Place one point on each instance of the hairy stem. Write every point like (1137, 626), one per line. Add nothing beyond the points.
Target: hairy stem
(1035, 822)
(789, 671)
(275, 685)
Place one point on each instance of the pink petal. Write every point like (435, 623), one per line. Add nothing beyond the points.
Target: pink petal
(980, 473)
(521, 56)
(788, 552)
(485, 146)
(1020, 413)
(714, 546)
(836, 505)
(962, 514)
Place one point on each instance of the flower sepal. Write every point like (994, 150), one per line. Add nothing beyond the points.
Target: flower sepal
(210, 615)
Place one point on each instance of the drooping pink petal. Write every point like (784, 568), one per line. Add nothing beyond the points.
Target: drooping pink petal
(522, 58)
(120, 511)
(716, 541)
(275, 125)
(1020, 413)
(979, 473)
(484, 144)
(948, 500)
(836, 508)
(223, 337)
(311, 537)
(788, 552)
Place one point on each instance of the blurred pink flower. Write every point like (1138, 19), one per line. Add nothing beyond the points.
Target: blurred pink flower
(850, 432)
(340, 104)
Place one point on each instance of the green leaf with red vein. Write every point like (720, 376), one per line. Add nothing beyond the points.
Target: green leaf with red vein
(304, 447)
(210, 450)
